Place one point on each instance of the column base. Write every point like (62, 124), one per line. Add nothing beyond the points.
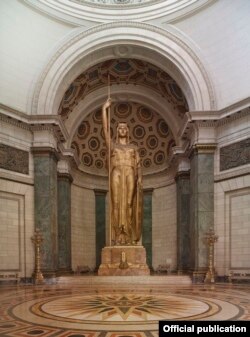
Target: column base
(198, 276)
(123, 261)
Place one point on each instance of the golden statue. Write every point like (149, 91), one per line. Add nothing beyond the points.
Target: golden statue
(125, 184)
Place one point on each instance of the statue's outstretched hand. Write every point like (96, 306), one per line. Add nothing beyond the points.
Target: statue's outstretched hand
(107, 104)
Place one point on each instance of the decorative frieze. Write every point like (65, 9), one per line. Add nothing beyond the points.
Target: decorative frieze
(234, 155)
(14, 159)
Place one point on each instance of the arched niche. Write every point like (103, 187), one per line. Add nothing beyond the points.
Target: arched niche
(122, 39)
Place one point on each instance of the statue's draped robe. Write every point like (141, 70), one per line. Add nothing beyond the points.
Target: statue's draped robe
(125, 162)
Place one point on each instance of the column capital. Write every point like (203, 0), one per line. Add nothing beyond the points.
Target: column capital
(182, 175)
(100, 192)
(203, 148)
(65, 176)
(148, 191)
(45, 136)
(44, 151)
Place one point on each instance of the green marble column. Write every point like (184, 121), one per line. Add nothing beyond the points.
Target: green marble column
(202, 206)
(45, 186)
(100, 219)
(147, 225)
(64, 181)
(183, 221)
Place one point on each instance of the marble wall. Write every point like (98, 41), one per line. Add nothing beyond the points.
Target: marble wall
(201, 206)
(232, 225)
(45, 202)
(183, 221)
(16, 228)
(64, 221)
(164, 229)
(147, 226)
(83, 227)
(100, 224)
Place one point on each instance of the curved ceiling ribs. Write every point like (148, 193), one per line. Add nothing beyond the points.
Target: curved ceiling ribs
(148, 130)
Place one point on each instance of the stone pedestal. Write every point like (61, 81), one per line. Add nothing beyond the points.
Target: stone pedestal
(123, 261)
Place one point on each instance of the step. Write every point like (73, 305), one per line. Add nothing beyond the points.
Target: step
(124, 280)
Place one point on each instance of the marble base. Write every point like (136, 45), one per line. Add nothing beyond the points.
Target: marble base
(123, 261)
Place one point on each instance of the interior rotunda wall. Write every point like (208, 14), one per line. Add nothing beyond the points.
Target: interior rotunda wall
(221, 47)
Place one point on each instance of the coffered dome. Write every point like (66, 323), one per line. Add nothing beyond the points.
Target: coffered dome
(148, 131)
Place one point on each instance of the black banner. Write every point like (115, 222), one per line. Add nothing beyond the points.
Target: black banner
(202, 328)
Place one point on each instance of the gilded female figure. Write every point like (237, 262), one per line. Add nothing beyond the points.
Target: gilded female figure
(125, 184)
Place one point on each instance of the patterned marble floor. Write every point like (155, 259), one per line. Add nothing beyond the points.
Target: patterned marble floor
(90, 311)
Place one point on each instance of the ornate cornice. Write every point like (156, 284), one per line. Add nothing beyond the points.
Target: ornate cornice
(18, 122)
(213, 118)
(34, 122)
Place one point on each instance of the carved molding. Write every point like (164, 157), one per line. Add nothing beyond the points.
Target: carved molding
(78, 11)
(196, 119)
(235, 173)
(11, 176)
(34, 122)
(123, 29)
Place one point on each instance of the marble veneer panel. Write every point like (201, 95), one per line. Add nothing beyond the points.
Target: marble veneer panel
(183, 222)
(202, 207)
(64, 222)
(100, 216)
(147, 226)
(45, 183)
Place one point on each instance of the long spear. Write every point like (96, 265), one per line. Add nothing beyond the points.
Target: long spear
(109, 165)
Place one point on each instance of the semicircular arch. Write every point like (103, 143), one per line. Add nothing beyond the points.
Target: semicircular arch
(141, 40)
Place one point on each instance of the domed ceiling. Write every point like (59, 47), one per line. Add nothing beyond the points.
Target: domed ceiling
(148, 129)
(84, 12)
(124, 71)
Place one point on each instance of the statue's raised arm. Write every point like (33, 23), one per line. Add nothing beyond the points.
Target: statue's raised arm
(105, 123)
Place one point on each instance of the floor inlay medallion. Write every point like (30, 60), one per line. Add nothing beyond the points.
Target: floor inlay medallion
(85, 311)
